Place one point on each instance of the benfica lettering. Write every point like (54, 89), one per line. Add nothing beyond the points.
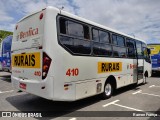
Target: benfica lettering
(109, 67)
(30, 32)
(132, 66)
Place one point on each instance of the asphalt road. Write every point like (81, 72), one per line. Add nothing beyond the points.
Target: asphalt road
(127, 103)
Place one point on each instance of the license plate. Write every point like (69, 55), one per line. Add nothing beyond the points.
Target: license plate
(27, 60)
(22, 85)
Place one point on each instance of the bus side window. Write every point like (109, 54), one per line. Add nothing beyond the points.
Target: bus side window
(139, 50)
(119, 52)
(131, 48)
(62, 24)
(104, 37)
(100, 43)
(120, 41)
(114, 39)
(101, 49)
(86, 32)
(75, 29)
(76, 38)
(95, 35)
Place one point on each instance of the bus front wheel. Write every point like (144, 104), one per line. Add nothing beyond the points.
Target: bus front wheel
(108, 90)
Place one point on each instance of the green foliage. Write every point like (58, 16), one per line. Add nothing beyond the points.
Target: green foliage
(4, 34)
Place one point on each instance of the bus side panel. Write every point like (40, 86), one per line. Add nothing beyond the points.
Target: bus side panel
(85, 89)
(87, 75)
(89, 70)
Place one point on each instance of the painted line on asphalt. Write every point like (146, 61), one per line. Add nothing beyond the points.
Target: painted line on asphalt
(140, 91)
(151, 94)
(153, 86)
(137, 92)
(110, 103)
(134, 109)
(6, 91)
(115, 103)
(73, 119)
(128, 107)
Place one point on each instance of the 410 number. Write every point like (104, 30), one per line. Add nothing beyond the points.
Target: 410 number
(72, 72)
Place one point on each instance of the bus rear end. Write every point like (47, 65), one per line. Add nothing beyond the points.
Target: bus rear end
(30, 63)
(155, 57)
(155, 63)
(6, 54)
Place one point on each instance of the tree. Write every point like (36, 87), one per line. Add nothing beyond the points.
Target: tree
(4, 34)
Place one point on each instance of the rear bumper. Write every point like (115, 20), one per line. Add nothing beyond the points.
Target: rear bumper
(35, 87)
(6, 69)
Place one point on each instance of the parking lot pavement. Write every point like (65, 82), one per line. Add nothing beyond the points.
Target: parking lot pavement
(5, 81)
(127, 103)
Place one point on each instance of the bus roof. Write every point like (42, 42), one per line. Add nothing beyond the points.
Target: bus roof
(32, 13)
(62, 12)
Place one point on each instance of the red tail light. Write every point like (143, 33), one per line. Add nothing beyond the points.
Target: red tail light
(41, 16)
(46, 64)
(16, 27)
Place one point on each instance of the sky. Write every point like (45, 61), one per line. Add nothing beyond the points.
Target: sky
(138, 18)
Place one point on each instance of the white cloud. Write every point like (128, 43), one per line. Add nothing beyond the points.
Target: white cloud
(5, 18)
(138, 17)
(128, 16)
(21, 8)
(7, 27)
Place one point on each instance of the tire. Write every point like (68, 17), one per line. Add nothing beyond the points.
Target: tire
(108, 90)
(135, 84)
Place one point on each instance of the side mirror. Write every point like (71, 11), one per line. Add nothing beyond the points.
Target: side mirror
(148, 51)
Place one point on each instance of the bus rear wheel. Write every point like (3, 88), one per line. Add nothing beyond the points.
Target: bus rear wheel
(108, 90)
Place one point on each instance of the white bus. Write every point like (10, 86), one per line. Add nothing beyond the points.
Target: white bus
(63, 57)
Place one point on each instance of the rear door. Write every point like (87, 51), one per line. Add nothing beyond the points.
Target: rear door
(27, 47)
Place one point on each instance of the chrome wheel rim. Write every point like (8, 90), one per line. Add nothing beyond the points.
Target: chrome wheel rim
(108, 89)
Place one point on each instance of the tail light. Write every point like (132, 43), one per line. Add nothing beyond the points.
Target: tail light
(16, 27)
(41, 16)
(46, 64)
